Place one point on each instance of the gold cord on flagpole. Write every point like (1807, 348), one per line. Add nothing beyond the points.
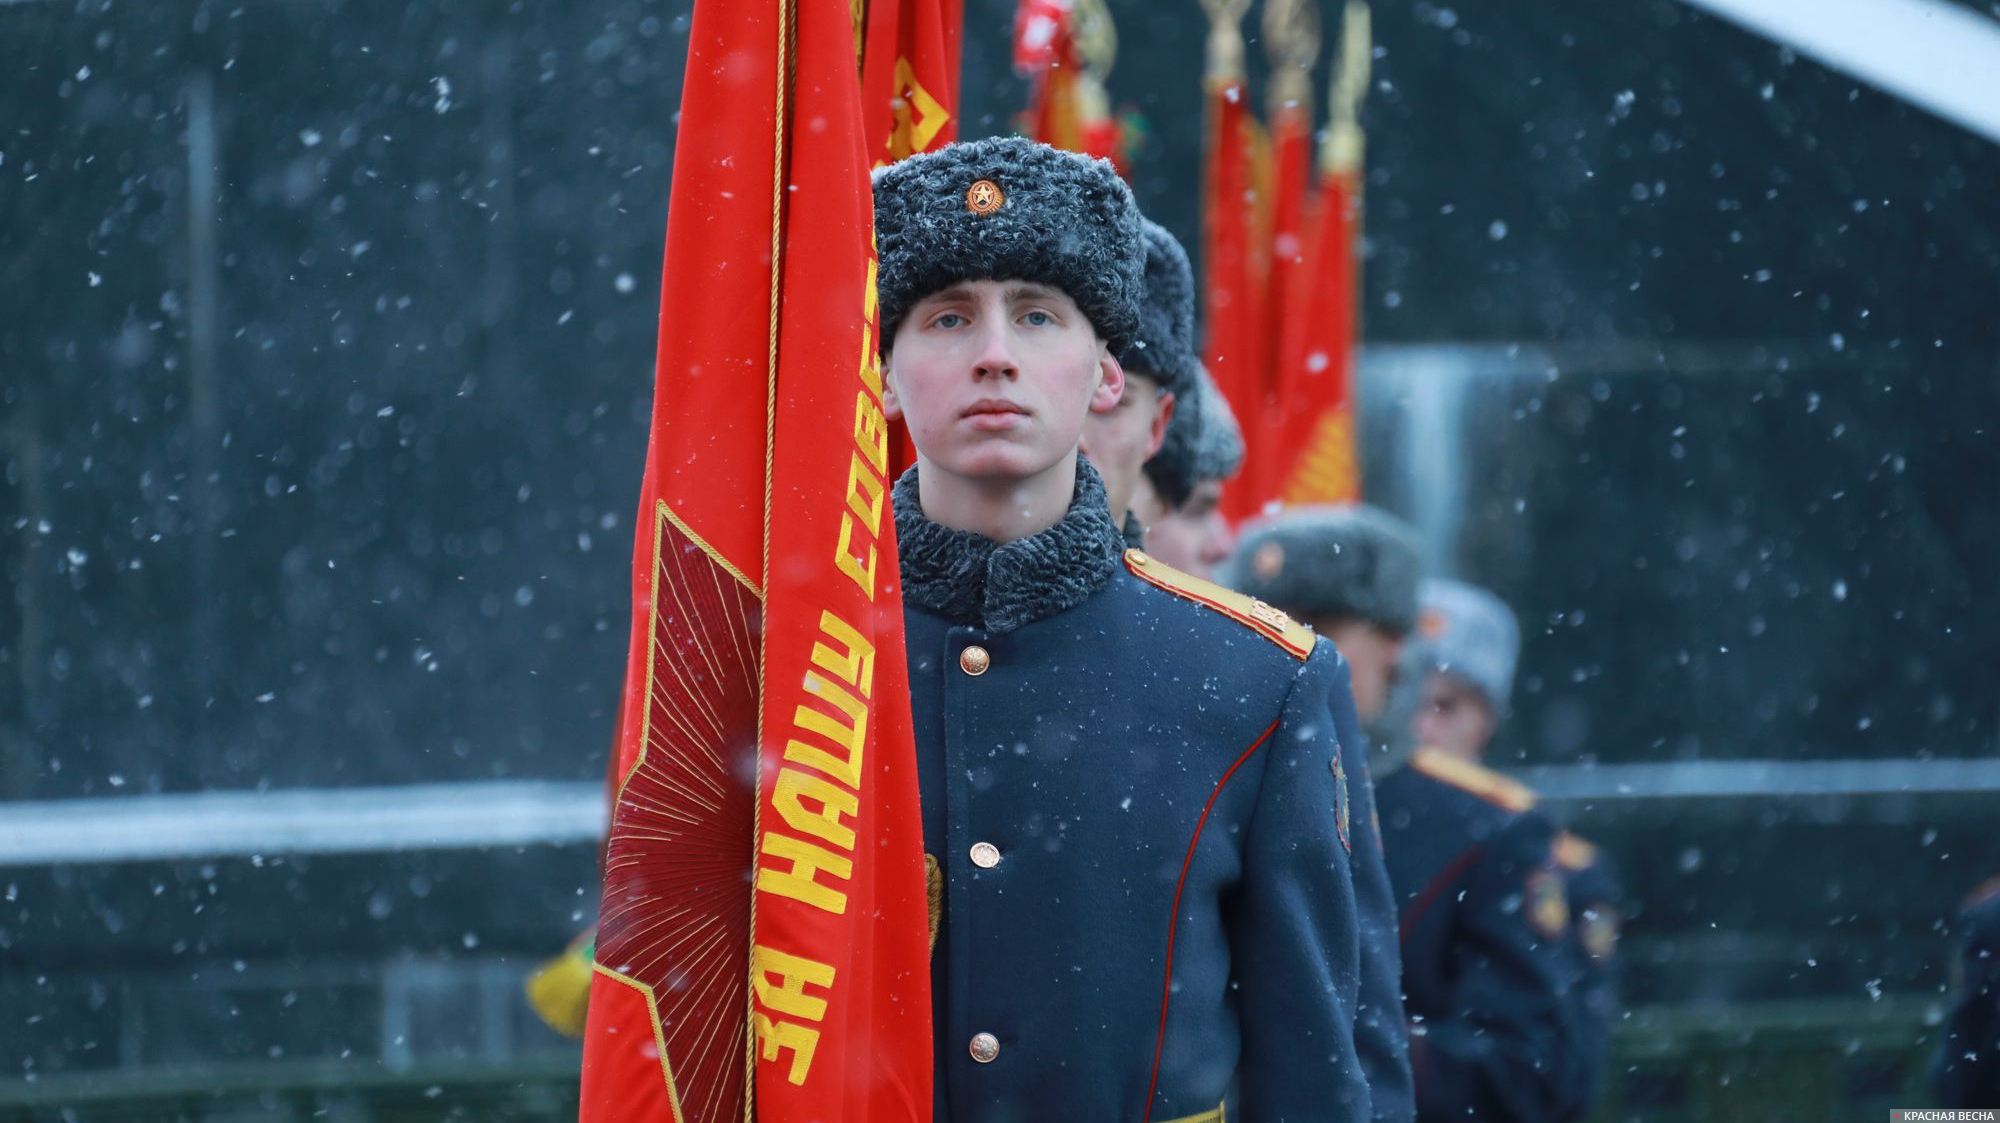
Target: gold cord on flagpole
(1344, 146)
(1291, 42)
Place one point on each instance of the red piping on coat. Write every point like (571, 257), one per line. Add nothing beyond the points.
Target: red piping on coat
(1167, 987)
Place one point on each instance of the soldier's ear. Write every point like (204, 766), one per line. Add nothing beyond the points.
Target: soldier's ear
(1110, 381)
(892, 406)
(1163, 416)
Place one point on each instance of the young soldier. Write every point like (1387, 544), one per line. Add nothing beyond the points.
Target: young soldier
(1179, 497)
(1470, 645)
(1132, 781)
(1159, 369)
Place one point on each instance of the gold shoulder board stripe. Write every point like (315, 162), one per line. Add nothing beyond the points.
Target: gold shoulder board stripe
(1573, 853)
(1501, 791)
(1273, 625)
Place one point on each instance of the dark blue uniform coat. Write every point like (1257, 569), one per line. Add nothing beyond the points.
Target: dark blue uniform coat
(1381, 1028)
(1595, 914)
(1488, 973)
(1135, 795)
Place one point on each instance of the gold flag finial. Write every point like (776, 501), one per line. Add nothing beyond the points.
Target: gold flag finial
(1225, 38)
(1344, 144)
(1097, 46)
(1291, 42)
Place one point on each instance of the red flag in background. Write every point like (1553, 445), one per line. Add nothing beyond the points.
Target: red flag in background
(1228, 228)
(909, 98)
(1065, 49)
(764, 919)
(1046, 54)
(1320, 436)
(909, 76)
(1291, 37)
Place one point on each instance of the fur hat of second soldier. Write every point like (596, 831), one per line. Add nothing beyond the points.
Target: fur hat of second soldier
(1163, 347)
(1202, 443)
(1331, 561)
(1010, 209)
(1470, 634)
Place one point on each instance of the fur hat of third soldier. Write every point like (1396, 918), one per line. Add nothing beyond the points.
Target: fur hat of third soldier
(1203, 443)
(1472, 635)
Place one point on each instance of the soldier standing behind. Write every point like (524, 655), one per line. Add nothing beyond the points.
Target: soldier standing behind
(1179, 497)
(1351, 573)
(1512, 1010)
(1159, 371)
(1131, 780)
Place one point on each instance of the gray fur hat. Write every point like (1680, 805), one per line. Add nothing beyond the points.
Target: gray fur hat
(1163, 348)
(1471, 634)
(1202, 442)
(1331, 561)
(1009, 209)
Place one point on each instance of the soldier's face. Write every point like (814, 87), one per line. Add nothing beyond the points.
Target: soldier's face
(1372, 654)
(1121, 439)
(1454, 717)
(995, 378)
(1196, 538)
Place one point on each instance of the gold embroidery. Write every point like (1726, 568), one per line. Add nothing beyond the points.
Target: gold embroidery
(934, 894)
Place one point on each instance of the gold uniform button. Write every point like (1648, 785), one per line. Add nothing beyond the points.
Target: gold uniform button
(974, 660)
(1139, 558)
(984, 1048)
(985, 855)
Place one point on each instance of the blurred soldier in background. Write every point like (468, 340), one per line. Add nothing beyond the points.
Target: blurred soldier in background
(1179, 497)
(1159, 372)
(1351, 573)
(1967, 1072)
(1495, 958)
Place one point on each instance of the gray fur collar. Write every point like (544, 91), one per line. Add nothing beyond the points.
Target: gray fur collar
(970, 579)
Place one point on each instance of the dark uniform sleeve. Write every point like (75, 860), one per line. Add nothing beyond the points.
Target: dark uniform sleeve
(1293, 934)
(1967, 1072)
(1595, 900)
(1508, 1050)
(1381, 1031)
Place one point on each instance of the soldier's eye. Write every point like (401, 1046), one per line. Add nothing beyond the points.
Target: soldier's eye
(1039, 319)
(949, 320)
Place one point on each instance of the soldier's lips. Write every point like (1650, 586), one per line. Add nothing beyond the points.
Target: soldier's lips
(993, 415)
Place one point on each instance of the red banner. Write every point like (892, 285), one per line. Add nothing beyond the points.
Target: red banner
(764, 917)
(909, 98)
(1323, 463)
(1286, 283)
(909, 76)
(1046, 54)
(1229, 225)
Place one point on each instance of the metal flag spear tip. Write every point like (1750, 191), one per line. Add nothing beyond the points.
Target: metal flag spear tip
(1291, 41)
(1225, 39)
(1344, 145)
